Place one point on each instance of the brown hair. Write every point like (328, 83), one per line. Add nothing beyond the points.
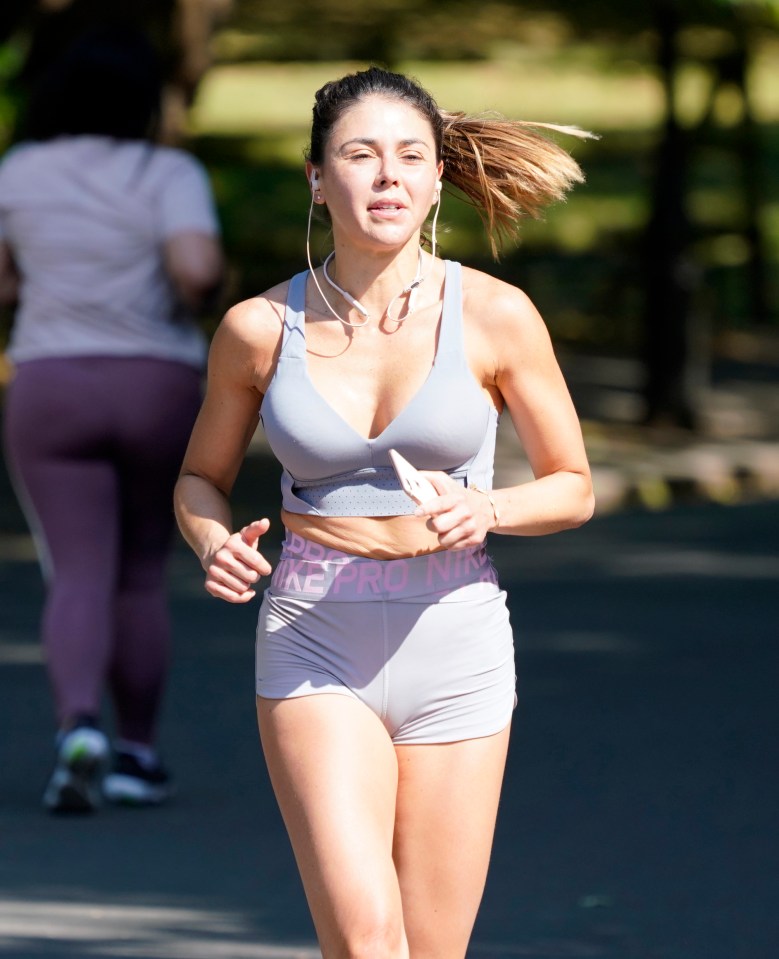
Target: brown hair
(505, 168)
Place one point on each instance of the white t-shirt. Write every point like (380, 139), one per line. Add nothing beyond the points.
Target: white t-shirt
(85, 218)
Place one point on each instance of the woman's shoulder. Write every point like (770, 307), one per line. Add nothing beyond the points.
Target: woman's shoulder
(17, 151)
(255, 323)
(163, 166)
(490, 300)
(170, 157)
(248, 340)
(16, 158)
(505, 323)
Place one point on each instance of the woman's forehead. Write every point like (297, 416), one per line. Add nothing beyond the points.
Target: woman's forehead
(377, 113)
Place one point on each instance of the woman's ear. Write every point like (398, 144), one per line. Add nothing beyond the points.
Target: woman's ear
(313, 181)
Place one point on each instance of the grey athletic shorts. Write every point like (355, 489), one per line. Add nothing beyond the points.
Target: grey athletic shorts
(424, 642)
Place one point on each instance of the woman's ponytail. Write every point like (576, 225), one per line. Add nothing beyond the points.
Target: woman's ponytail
(506, 168)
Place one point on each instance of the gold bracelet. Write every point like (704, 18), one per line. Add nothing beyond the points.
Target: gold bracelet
(488, 494)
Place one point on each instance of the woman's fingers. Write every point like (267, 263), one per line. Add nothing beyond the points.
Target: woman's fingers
(237, 565)
(251, 534)
(453, 515)
(229, 595)
(441, 481)
(233, 578)
(230, 561)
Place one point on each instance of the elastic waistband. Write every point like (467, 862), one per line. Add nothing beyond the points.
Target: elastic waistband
(365, 492)
(308, 570)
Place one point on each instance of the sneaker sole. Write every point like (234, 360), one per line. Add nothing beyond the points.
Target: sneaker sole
(69, 792)
(74, 786)
(130, 791)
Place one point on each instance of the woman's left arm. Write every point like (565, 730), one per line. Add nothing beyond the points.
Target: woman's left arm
(526, 375)
(529, 379)
(9, 277)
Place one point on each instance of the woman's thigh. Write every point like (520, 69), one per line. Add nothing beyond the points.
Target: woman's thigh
(334, 772)
(55, 438)
(96, 440)
(153, 426)
(447, 804)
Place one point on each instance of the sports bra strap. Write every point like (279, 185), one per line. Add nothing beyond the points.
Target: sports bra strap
(451, 335)
(293, 341)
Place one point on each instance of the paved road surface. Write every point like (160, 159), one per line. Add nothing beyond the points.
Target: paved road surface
(639, 812)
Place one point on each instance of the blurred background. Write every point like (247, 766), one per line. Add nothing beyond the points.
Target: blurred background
(639, 817)
(662, 267)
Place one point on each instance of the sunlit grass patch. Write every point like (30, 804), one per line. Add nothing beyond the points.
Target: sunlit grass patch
(256, 97)
(594, 87)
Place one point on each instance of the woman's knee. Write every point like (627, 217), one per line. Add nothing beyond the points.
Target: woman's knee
(376, 936)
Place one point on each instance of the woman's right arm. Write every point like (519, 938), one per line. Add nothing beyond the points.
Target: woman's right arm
(195, 265)
(239, 362)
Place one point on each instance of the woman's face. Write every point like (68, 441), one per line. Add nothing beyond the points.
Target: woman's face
(379, 173)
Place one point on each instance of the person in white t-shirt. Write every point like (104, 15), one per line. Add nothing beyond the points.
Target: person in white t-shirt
(109, 245)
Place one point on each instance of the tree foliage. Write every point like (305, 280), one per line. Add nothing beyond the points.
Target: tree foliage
(391, 31)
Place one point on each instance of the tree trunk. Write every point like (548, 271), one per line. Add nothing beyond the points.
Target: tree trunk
(668, 271)
(753, 185)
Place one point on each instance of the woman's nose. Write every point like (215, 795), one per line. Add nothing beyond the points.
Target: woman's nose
(388, 175)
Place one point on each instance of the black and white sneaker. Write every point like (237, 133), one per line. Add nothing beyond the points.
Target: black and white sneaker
(134, 783)
(74, 786)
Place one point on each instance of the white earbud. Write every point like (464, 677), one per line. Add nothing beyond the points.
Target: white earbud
(314, 180)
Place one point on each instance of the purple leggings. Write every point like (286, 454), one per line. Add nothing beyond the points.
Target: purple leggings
(94, 446)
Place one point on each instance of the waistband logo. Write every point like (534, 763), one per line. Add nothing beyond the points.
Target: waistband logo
(312, 569)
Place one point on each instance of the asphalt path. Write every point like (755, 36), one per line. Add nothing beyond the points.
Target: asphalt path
(638, 818)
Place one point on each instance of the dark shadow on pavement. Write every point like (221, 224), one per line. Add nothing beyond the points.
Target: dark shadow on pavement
(638, 818)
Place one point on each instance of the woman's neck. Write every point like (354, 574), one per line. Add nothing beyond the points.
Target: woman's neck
(376, 279)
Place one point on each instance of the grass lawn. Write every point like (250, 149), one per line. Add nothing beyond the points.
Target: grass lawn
(247, 98)
(583, 86)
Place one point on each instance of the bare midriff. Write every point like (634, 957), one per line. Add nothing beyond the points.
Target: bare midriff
(379, 537)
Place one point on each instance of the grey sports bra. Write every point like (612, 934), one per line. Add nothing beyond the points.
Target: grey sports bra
(330, 469)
